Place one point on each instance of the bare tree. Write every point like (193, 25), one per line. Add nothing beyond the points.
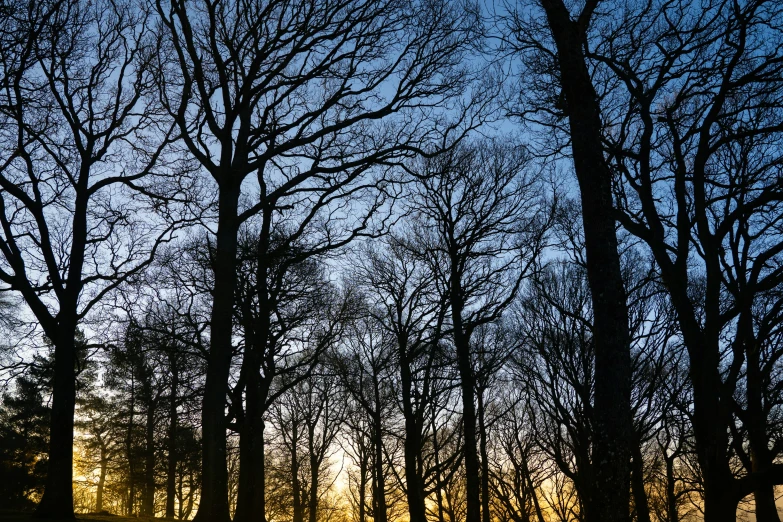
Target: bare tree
(697, 116)
(410, 314)
(557, 87)
(79, 134)
(305, 98)
(483, 221)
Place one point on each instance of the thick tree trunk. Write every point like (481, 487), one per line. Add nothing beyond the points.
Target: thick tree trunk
(467, 386)
(171, 477)
(761, 459)
(213, 504)
(250, 489)
(710, 428)
(613, 424)
(412, 445)
(57, 500)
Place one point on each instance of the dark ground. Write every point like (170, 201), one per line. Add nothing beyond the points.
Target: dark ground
(22, 516)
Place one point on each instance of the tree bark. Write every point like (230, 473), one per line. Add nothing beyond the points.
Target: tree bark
(171, 477)
(467, 386)
(213, 504)
(613, 427)
(148, 503)
(57, 500)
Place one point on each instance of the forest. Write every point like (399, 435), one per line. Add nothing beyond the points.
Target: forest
(392, 260)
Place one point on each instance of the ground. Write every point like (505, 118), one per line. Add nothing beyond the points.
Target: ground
(19, 516)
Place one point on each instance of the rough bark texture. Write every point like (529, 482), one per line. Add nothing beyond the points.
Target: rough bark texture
(213, 505)
(171, 472)
(468, 387)
(57, 500)
(613, 428)
(412, 444)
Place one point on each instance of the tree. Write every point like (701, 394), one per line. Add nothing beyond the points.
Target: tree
(24, 434)
(711, 143)
(484, 221)
(363, 367)
(289, 316)
(305, 98)
(410, 316)
(553, 49)
(79, 134)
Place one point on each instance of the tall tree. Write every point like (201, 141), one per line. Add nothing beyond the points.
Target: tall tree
(484, 222)
(304, 98)
(709, 138)
(79, 133)
(554, 48)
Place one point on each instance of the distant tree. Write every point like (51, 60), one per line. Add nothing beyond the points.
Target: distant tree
(407, 316)
(483, 221)
(24, 438)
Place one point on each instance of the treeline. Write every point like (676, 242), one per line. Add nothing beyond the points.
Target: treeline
(348, 260)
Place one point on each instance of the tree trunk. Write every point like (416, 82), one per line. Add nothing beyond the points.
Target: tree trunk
(709, 426)
(57, 500)
(296, 489)
(412, 445)
(467, 386)
(101, 478)
(363, 465)
(761, 459)
(171, 477)
(485, 515)
(672, 511)
(148, 503)
(213, 504)
(380, 514)
(312, 503)
(250, 492)
(436, 458)
(637, 485)
(129, 450)
(613, 423)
